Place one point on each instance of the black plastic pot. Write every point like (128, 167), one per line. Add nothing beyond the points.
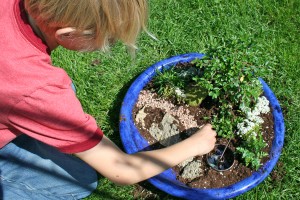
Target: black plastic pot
(221, 158)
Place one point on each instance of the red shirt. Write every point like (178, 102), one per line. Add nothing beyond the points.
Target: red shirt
(36, 98)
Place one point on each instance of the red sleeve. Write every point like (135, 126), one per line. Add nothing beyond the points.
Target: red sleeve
(55, 116)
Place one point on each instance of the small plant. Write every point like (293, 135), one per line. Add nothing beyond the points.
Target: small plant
(229, 75)
(251, 152)
(178, 84)
(170, 84)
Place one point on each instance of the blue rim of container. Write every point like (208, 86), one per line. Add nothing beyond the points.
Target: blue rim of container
(166, 181)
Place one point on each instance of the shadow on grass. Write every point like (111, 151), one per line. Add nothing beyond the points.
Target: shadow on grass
(146, 191)
(114, 113)
(141, 191)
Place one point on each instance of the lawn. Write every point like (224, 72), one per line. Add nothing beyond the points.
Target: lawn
(183, 26)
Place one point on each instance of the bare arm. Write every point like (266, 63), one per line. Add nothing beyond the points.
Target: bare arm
(124, 169)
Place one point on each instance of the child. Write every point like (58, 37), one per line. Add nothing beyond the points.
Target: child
(41, 120)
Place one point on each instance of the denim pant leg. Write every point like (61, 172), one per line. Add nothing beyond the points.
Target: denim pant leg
(30, 169)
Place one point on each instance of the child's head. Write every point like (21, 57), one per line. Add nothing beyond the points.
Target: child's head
(99, 21)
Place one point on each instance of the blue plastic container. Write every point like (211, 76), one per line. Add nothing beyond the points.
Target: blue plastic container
(166, 181)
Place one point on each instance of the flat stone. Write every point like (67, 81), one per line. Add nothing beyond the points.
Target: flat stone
(166, 132)
(192, 170)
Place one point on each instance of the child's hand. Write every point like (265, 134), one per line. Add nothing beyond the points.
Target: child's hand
(204, 139)
(125, 169)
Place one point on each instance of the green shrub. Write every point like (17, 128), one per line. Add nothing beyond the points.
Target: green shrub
(229, 74)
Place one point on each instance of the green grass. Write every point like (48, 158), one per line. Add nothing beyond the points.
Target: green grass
(183, 26)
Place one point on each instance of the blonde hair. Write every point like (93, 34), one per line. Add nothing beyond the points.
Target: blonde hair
(101, 21)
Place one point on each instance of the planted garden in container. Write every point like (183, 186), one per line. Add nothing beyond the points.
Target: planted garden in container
(224, 87)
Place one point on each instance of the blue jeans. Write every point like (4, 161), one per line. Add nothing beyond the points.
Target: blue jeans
(30, 169)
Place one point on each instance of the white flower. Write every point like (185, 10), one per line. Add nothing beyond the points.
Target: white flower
(262, 105)
(179, 92)
(249, 126)
(244, 108)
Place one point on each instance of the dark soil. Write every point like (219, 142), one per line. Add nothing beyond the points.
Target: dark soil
(211, 178)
